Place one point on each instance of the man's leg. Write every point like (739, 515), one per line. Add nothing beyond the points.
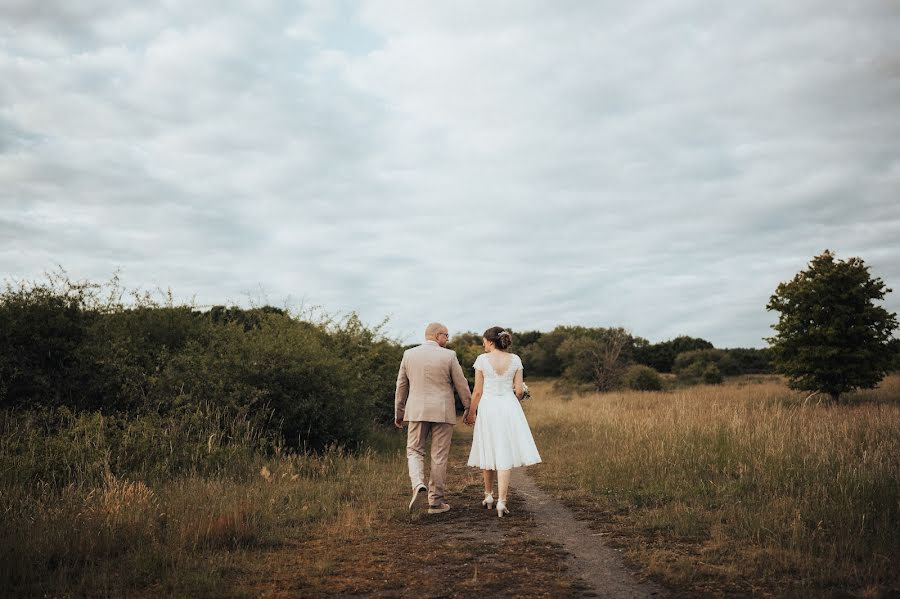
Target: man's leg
(416, 434)
(441, 433)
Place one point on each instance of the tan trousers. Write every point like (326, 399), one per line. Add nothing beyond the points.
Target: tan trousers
(416, 435)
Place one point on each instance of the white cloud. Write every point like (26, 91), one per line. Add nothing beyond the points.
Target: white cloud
(657, 165)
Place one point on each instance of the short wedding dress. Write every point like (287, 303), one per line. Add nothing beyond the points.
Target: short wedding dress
(502, 438)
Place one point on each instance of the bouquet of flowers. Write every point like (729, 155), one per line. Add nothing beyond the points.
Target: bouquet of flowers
(527, 394)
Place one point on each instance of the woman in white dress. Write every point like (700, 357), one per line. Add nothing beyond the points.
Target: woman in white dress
(501, 440)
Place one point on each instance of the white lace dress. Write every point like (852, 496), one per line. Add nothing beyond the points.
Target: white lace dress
(502, 438)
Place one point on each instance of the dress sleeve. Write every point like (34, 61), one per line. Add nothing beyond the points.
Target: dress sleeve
(519, 365)
(479, 362)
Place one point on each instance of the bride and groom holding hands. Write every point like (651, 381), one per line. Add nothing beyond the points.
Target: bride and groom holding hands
(501, 440)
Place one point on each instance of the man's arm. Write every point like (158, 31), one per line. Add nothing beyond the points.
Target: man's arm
(460, 383)
(401, 394)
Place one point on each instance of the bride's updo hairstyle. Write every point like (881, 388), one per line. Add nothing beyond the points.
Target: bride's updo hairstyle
(499, 337)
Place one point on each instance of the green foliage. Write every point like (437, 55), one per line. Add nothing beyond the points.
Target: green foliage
(541, 357)
(712, 375)
(317, 382)
(596, 355)
(661, 356)
(720, 357)
(526, 338)
(704, 365)
(642, 378)
(830, 336)
(249, 319)
(61, 447)
(751, 360)
(41, 329)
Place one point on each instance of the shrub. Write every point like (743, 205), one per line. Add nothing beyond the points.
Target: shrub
(643, 378)
(692, 366)
(317, 382)
(41, 329)
(712, 375)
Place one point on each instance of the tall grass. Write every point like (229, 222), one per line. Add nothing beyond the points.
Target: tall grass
(739, 484)
(100, 505)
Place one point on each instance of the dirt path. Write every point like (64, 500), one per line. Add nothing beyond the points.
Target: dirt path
(589, 558)
(538, 550)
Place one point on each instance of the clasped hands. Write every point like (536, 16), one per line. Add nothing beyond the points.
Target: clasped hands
(469, 417)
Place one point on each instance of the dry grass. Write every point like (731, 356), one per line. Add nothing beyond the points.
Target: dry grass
(737, 487)
(185, 533)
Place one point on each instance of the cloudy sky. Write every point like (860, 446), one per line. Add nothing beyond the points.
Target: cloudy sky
(655, 165)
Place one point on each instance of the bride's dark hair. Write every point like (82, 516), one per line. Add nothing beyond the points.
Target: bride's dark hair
(499, 337)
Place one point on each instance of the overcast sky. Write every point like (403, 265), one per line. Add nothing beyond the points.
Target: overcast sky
(660, 166)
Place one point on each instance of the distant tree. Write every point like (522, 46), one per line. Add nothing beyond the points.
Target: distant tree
(598, 356)
(540, 357)
(525, 338)
(722, 359)
(661, 356)
(830, 336)
(751, 360)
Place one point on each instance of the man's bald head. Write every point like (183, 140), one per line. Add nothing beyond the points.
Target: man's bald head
(437, 332)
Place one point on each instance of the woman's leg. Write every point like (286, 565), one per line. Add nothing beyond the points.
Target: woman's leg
(503, 484)
(488, 481)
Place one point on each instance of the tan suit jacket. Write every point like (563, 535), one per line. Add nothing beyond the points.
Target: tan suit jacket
(428, 375)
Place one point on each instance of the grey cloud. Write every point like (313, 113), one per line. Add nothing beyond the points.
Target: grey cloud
(661, 167)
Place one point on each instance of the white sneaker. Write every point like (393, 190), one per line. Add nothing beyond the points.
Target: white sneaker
(417, 492)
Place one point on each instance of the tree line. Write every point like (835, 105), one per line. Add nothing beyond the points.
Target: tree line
(313, 381)
(610, 358)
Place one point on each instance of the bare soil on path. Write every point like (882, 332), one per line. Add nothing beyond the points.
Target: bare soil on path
(597, 564)
(538, 550)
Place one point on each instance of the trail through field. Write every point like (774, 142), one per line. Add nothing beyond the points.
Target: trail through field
(587, 555)
(538, 550)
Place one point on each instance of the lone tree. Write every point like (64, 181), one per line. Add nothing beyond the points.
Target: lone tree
(830, 336)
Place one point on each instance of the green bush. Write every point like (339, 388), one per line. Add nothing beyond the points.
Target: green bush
(316, 381)
(752, 360)
(694, 366)
(643, 378)
(661, 356)
(41, 330)
(712, 375)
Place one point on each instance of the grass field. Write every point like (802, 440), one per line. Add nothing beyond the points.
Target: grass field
(187, 516)
(712, 490)
(737, 487)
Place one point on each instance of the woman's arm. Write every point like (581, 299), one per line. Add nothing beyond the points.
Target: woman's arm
(476, 394)
(519, 384)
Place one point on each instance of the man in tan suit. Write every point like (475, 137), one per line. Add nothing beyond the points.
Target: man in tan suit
(428, 375)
